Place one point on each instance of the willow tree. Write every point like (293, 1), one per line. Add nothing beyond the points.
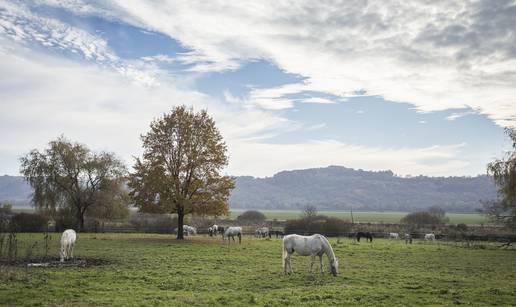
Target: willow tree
(504, 174)
(68, 176)
(180, 170)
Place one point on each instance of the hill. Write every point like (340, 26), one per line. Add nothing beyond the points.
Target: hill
(340, 188)
(333, 188)
(15, 190)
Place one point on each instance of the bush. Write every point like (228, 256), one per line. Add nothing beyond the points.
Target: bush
(420, 219)
(27, 222)
(328, 226)
(462, 227)
(5, 213)
(251, 215)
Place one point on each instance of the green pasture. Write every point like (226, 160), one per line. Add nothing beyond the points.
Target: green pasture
(387, 217)
(150, 270)
(362, 216)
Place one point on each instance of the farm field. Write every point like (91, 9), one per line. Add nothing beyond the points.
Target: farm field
(360, 216)
(387, 217)
(148, 269)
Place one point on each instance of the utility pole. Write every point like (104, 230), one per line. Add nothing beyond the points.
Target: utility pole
(352, 221)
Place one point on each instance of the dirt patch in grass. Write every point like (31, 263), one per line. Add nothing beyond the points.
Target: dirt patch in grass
(55, 263)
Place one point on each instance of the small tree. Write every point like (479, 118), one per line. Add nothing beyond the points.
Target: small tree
(419, 219)
(252, 215)
(309, 212)
(5, 212)
(504, 175)
(439, 214)
(68, 175)
(184, 154)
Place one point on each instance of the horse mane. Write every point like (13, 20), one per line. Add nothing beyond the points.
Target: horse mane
(329, 249)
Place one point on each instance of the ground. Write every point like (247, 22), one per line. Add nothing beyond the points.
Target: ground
(147, 269)
(366, 217)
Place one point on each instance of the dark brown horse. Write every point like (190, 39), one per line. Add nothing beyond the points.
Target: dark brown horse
(366, 235)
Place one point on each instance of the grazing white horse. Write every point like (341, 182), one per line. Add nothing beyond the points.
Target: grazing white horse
(231, 232)
(394, 235)
(189, 230)
(67, 243)
(429, 237)
(261, 232)
(314, 245)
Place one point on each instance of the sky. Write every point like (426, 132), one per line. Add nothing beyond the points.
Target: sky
(416, 87)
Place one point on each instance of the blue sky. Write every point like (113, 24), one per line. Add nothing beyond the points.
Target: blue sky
(290, 86)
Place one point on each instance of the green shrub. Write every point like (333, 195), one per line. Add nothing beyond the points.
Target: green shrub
(420, 219)
(28, 222)
(329, 226)
(251, 215)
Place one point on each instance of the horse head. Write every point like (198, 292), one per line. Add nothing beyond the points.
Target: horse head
(334, 267)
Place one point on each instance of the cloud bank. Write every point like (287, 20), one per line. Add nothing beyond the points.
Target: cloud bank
(435, 55)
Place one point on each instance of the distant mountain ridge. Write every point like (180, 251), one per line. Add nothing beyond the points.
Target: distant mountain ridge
(15, 189)
(333, 188)
(341, 188)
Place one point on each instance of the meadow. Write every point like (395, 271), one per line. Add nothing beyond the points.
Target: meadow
(366, 217)
(150, 269)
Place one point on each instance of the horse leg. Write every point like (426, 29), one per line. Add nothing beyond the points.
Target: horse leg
(62, 253)
(239, 239)
(285, 264)
(312, 260)
(71, 249)
(320, 261)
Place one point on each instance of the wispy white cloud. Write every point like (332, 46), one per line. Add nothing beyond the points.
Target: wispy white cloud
(455, 116)
(159, 58)
(315, 127)
(19, 23)
(318, 100)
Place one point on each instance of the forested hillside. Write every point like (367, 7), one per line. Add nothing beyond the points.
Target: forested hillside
(337, 187)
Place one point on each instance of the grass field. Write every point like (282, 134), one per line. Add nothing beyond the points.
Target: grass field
(364, 217)
(150, 270)
(387, 217)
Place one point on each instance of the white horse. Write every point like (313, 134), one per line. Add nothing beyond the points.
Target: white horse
(231, 232)
(394, 235)
(314, 245)
(261, 232)
(189, 230)
(67, 243)
(429, 237)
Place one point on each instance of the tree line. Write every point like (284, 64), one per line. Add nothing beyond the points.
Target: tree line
(180, 172)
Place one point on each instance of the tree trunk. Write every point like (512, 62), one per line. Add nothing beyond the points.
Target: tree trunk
(80, 221)
(180, 222)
